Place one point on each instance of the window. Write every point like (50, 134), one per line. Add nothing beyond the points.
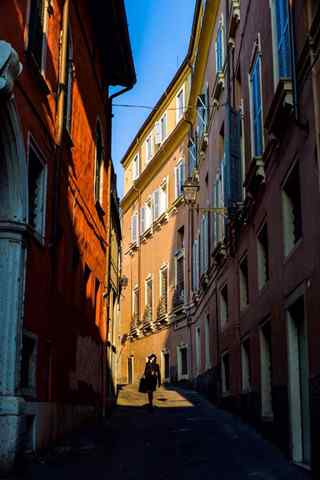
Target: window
(143, 220)
(99, 165)
(219, 49)
(163, 125)
(161, 129)
(69, 82)
(164, 289)
(219, 202)
(156, 204)
(182, 357)
(37, 35)
(291, 209)
(148, 298)
(192, 151)
(195, 265)
(148, 214)
(246, 365)
(37, 179)
(207, 342)
(263, 257)
(166, 361)
(178, 298)
(163, 197)
(256, 108)
(134, 228)
(202, 113)
(198, 349)
(148, 149)
(179, 105)
(225, 373)
(224, 306)
(282, 42)
(266, 371)
(244, 283)
(179, 177)
(135, 305)
(204, 244)
(180, 238)
(135, 167)
(28, 363)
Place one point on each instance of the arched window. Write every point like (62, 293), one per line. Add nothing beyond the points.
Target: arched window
(98, 184)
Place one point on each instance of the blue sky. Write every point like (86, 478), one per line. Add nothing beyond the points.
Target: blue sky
(159, 32)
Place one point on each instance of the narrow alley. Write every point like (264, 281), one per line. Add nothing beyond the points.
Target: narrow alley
(184, 437)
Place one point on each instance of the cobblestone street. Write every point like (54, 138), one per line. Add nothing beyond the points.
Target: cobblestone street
(184, 437)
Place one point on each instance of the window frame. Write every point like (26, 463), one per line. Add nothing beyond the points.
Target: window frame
(148, 142)
(32, 144)
(180, 167)
(135, 167)
(220, 31)
(44, 43)
(179, 116)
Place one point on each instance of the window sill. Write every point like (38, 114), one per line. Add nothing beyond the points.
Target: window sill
(38, 76)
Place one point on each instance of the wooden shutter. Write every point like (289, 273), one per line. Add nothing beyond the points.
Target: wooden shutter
(257, 107)
(283, 38)
(134, 228)
(157, 129)
(143, 219)
(156, 204)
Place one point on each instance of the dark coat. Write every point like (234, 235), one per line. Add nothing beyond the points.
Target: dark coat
(152, 376)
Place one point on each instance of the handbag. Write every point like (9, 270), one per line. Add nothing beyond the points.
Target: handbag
(143, 385)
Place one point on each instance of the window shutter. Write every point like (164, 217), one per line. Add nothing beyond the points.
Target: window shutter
(134, 228)
(178, 181)
(157, 129)
(232, 173)
(163, 127)
(257, 108)
(283, 38)
(206, 242)
(156, 203)
(182, 179)
(143, 219)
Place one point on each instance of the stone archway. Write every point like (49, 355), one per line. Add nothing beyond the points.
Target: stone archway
(13, 224)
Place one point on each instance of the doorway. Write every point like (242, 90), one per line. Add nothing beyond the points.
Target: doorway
(130, 370)
(298, 367)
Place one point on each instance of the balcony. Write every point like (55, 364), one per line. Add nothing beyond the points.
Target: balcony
(234, 18)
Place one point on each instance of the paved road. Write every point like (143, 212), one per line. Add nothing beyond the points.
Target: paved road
(185, 438)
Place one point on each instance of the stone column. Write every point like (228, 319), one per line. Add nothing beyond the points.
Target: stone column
(13, 215)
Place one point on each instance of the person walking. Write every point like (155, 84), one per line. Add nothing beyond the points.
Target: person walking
(152, 377)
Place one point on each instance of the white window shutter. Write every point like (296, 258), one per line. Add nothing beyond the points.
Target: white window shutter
(157, 131)
(176, 174)
(143, 219)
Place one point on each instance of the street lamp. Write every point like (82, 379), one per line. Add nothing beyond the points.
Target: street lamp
(190, 190)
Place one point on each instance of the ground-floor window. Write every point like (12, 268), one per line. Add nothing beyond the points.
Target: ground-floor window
(165, 363)
(225, 373)
(182, 357)
(130, 370)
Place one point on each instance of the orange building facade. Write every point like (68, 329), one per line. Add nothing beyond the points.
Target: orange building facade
(55, 212)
